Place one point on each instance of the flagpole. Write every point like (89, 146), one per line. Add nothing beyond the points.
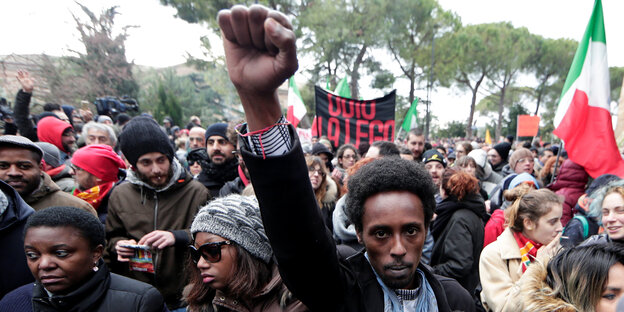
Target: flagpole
(552, 178)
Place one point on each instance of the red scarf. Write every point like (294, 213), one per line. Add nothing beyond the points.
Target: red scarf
(95, 194)
(528, 249)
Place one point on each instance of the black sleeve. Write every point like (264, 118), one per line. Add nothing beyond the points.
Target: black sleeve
(22, 110)
(305, 251)
(152, 301)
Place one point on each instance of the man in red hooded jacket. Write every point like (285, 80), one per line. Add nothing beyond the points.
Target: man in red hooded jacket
(59, 133)
(96, 170)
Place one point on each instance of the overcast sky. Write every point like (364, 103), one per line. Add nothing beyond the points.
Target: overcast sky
(44, 26)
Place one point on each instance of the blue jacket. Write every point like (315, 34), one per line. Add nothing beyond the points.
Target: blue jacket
(13, 267)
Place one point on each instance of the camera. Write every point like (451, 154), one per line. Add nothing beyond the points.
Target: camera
(111, 106)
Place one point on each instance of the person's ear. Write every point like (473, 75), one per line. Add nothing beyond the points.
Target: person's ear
(528, 224)
(359, 237)
(97, 253)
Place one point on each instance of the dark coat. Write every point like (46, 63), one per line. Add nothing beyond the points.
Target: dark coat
(22, 118)
(456, 250)
(133, 209)
(102, 293)
(13, 267)
(305, 251)
(570, 183)
(214, 177)
(235, 186)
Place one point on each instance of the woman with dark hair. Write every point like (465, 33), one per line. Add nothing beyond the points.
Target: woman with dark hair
(346, 155)
(230, 265)
(458, 229)
(325, 188)
(533, 232)
(462, 149)
(63, 247)
(585, 278)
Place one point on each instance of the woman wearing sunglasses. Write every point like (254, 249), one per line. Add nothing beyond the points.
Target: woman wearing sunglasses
(231, 266)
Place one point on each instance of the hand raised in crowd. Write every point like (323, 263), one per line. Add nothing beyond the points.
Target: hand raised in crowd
(260, 52)
(28, 83)
(158, 239)
(123, 253)
(86, 115)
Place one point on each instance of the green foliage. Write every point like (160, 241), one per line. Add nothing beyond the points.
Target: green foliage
(338, 35)
(512, 49)
(464, 60)
(412, 25)
(452, 130)
(550, 63)
(104, 65)
(168, 105)
(200, 93)
(616, 75)
(205, 12)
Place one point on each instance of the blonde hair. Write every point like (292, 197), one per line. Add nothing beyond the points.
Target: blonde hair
(528, 203)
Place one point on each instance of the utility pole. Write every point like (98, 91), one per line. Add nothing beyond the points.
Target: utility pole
(430, 84)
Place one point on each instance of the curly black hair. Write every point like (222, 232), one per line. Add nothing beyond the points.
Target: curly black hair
(87, 224)
(384, 175)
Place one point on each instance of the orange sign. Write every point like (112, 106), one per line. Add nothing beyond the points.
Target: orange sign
(528, 126)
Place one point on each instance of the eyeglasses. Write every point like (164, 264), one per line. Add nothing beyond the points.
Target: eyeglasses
(528, 160)
(75, 168)
(349, 156)
(211, 252)
(312, 171)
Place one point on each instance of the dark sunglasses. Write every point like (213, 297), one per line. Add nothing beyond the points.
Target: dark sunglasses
(211, 252)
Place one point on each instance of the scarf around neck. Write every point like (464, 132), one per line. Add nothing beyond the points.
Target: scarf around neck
(425, 299)
(528, 249)
(95, 194)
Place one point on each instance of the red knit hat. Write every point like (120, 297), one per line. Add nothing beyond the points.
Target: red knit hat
(99, 160)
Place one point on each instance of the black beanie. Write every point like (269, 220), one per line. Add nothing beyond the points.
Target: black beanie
(218, 129)
(503, 150)
(143, 135)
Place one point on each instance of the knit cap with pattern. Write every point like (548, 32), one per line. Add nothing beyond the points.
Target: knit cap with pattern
(236, 218)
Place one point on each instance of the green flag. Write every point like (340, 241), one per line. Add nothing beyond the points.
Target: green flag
(343, 88)
(411, 118)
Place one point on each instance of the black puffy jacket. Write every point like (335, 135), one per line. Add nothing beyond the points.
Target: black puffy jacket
(104, 292)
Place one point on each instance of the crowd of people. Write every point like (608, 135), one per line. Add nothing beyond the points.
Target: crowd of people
(129, 214)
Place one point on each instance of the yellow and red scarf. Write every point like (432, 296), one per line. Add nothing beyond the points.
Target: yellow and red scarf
(95, 194)
(528, 249)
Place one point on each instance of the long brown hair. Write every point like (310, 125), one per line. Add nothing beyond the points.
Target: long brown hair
(311, 162)
(528, 203)
(251, 275)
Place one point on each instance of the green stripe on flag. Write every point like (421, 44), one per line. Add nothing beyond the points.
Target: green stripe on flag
(595, 32)
(411, 117)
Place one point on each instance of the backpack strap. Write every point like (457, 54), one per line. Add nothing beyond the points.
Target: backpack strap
(583, 221)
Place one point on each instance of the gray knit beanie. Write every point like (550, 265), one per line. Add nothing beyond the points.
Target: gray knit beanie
(236, 218)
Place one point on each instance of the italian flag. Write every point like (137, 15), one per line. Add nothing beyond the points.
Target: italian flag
(583, 118)
(296, 109)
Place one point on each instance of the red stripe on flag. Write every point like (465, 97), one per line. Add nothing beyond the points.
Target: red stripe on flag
(290, 116)
(588, 136)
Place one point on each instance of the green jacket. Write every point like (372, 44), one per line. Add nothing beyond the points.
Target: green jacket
(136, 209)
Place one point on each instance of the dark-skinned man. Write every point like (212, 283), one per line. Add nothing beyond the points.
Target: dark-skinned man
(391, 205)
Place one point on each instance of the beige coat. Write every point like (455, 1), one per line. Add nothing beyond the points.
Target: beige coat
(500, 270)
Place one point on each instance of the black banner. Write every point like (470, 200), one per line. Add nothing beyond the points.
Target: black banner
(345, 120)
